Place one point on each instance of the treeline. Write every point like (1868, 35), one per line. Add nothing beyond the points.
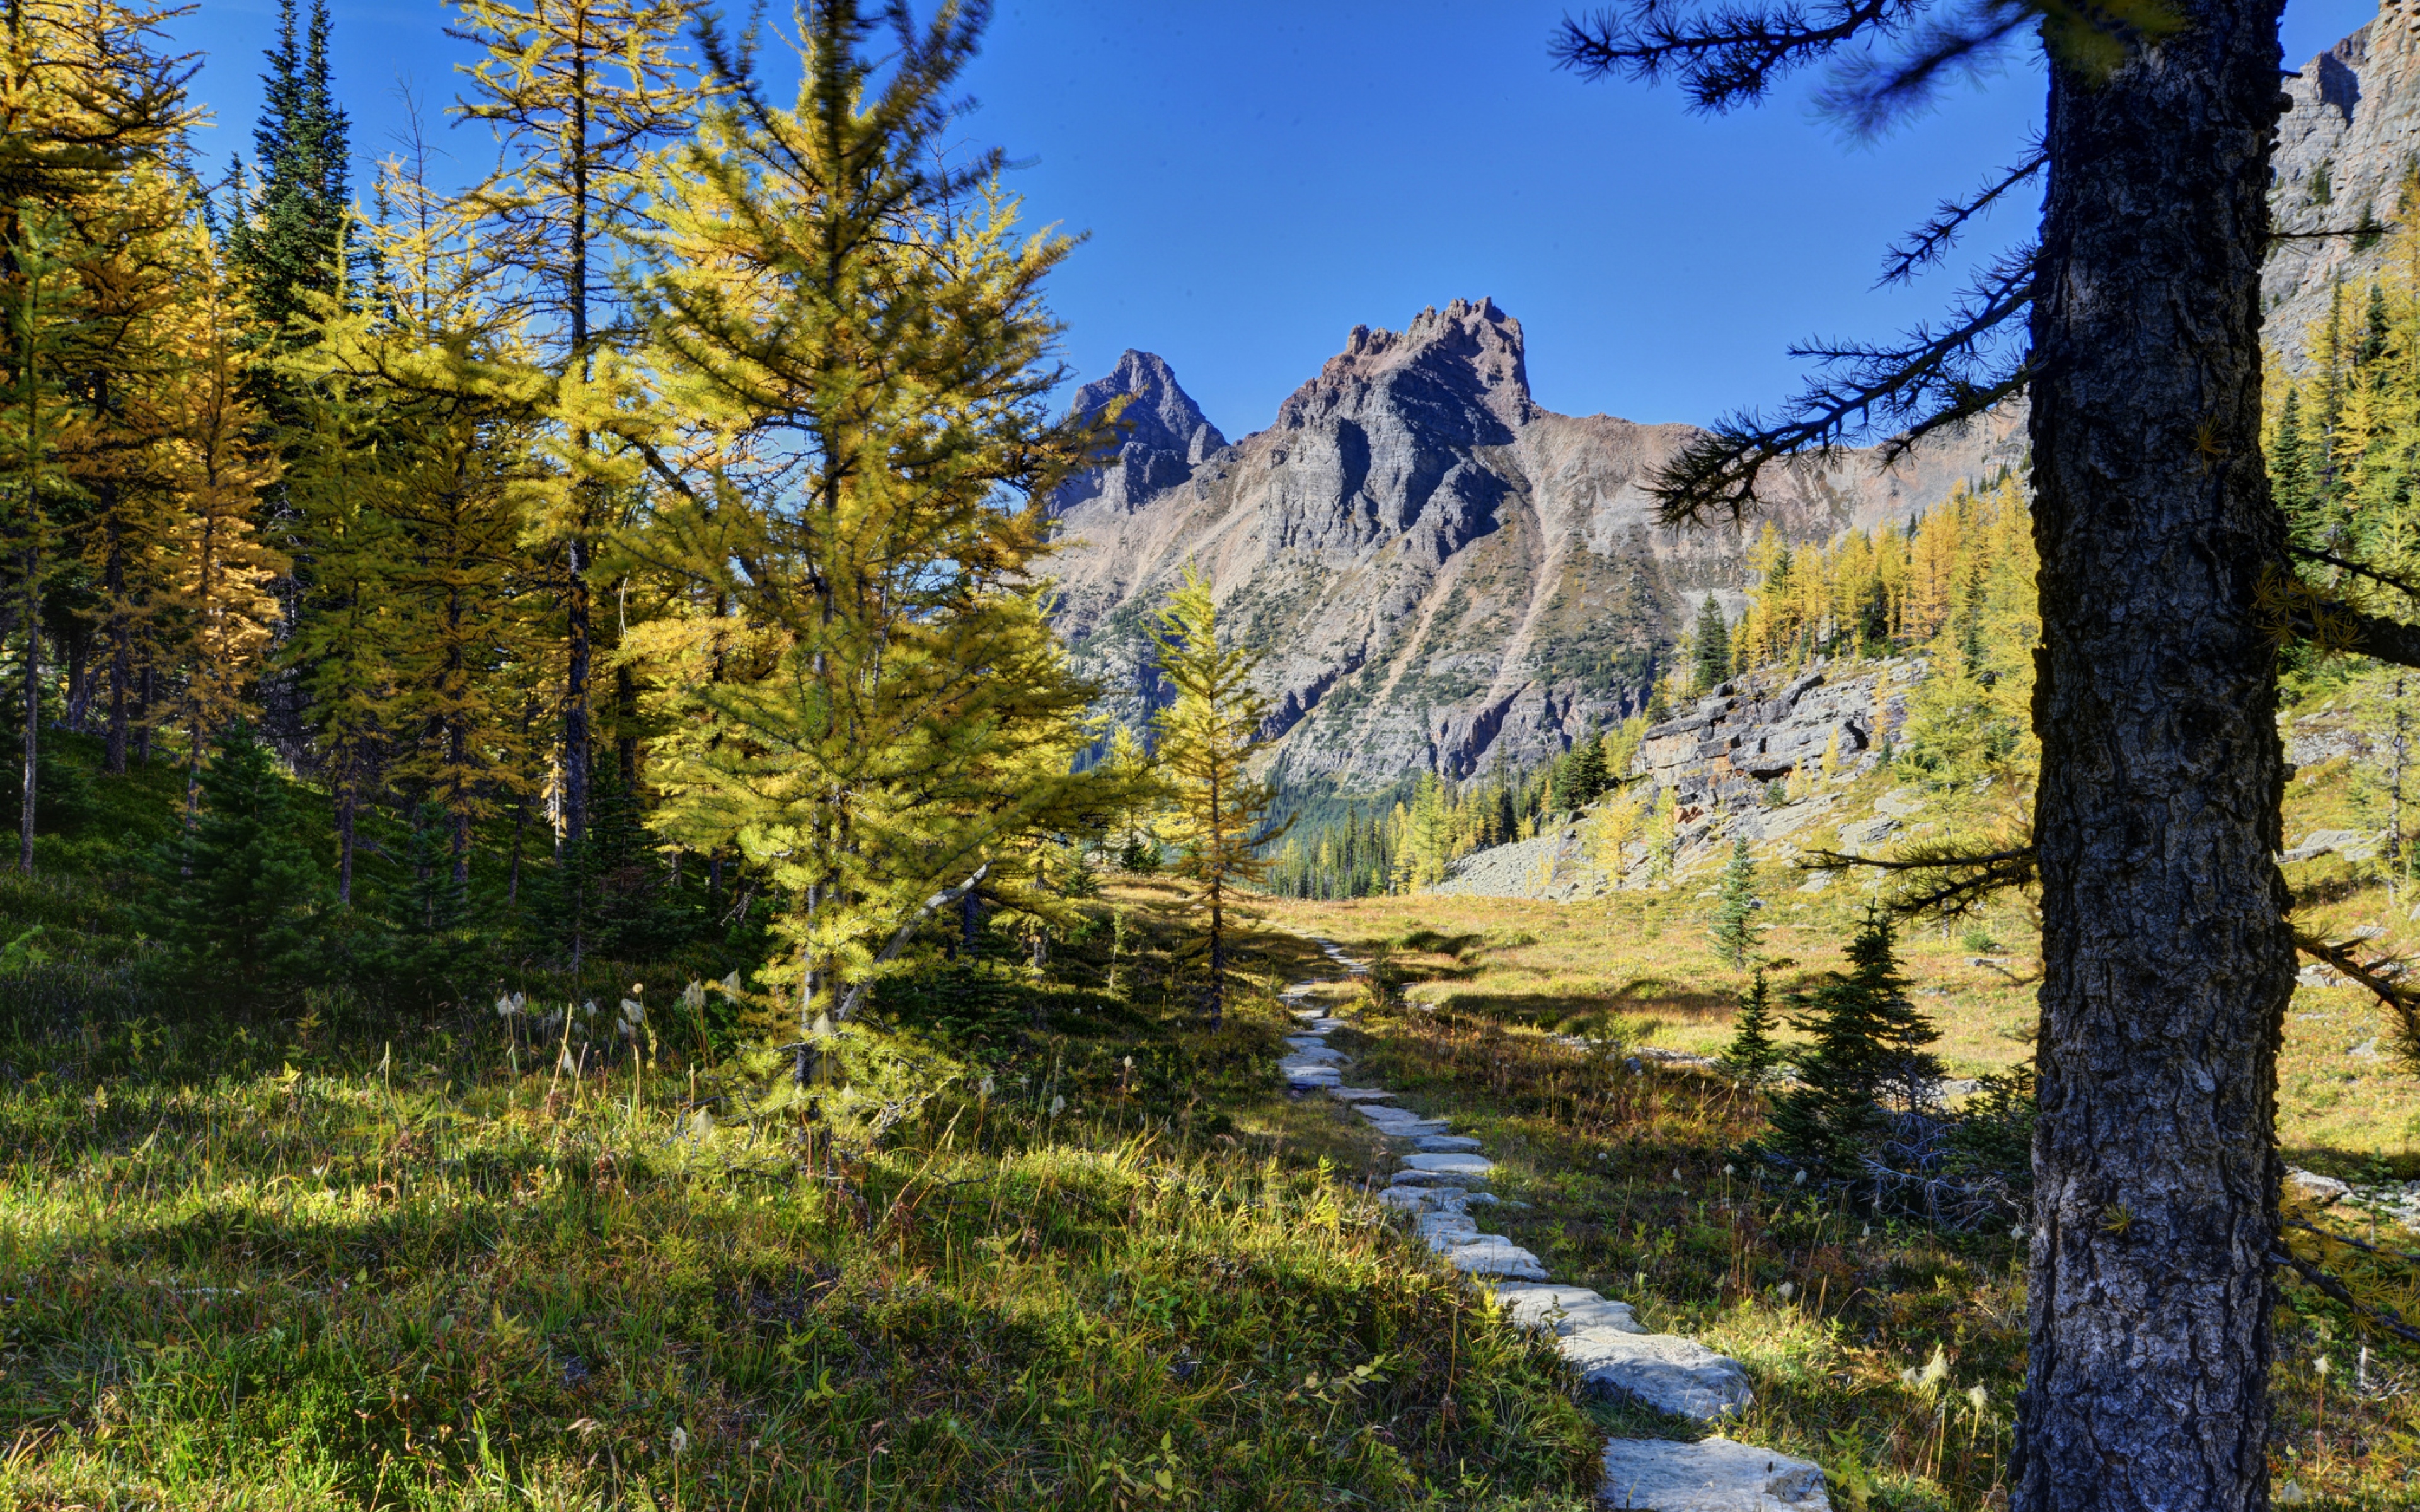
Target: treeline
(1403, 844)
(635, 550)
(1957, 586)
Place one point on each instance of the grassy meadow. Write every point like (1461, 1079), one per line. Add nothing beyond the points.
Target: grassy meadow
(1043, 1238)
(1071, 1249)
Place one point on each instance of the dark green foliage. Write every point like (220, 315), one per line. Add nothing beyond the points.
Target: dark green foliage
(1734, 930)
(241, 898)
(2377, 332)
(2289, 457)
(1580, 776)
(289, 241)
(1714, 646)
(1752, 1057)
(1868, 1059)
(1992, 1135)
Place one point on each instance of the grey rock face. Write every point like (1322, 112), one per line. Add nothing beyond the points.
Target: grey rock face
(1713, 1475)
(1664, 1371)
(1437, 568)
(1162, 436)
(2343, 148)
(2322, 1191)
(1720, 755)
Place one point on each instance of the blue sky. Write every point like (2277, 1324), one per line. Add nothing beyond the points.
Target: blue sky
(1258, 176)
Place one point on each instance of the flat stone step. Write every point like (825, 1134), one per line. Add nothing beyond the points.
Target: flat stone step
(1361, 1094)
(1310, 1075)
(1455, 1181)
(1664, 1371)
(1712, 1475)
(1446, 1144)
(1495, 1254)
(1315, 1053)
(1324, 1025)
(1307, 1042)
(1451, 1166)
(1565, 1310)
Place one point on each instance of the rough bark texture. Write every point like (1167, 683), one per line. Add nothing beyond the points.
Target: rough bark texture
(2167, 963)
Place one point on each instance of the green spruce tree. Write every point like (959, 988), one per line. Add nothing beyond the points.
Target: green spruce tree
(2290, 458)
(1869, 1055)
(1735, 929)
(1753, 1054)
(290, 243)
(239, 896)
(1714, 647)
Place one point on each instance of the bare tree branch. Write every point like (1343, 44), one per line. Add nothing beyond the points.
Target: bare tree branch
(1929, 243)
(1966, 879)
(1931, 379)
(1728, 58)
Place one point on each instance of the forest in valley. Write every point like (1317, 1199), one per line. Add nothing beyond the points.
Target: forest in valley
(630, 557)
(576, 941)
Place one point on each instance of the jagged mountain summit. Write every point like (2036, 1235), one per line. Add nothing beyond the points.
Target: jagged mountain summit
(2347, 143)
(1165, 435)
(1439, 572)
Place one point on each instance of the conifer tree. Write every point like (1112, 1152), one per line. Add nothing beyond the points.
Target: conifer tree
(578, 91)
(1735, 930)
(851, 332)
(2289, 457)
(1867, 1055)
(1753, 1054)
(238, 894)
(90, 107)
(1714, 646)
(1221, 816)
(291, 241)
(220, 610)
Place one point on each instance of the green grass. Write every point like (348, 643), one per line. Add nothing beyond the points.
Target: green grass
(281, 1275)
(1618, 1180)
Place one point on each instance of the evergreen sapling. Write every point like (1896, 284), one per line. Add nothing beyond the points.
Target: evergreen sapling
(1869, 1057)
(1753, 1056)
(1735, 929)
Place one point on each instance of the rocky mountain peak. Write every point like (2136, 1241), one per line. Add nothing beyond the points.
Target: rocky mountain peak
(1162, 433)
(1438, 573)
(1467, 355)
(2349, 135)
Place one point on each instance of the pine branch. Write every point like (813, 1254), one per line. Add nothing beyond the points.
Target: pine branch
(1729, 59)
(2364, 1246)
(2385, 1318)
(2329, 559)
(2402, 1003)
(1934, 379)
(1929, 243)
(1970, 880)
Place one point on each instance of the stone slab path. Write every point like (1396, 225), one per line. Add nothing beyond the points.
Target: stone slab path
(1441, 1182)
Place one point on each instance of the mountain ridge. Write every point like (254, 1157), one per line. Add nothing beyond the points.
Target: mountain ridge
(1439, 572)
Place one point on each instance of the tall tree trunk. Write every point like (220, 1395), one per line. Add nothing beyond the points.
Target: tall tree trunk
(2166, 961)
(626, 727)
(143, 716)
(122, 646)
(575, 690)
(33, 715)
(348, 801)
(77, 644)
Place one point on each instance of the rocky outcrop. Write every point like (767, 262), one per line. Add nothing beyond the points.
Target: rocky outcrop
(1710, 1475)
(1439, 571)
(2345, 146)
(1768, 726)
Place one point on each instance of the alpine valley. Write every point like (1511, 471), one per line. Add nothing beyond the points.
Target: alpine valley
(1438, 572)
